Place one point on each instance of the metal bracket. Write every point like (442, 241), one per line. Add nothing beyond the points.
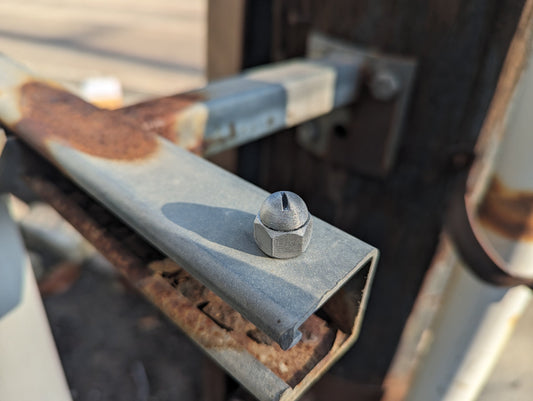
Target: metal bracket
(363, 137)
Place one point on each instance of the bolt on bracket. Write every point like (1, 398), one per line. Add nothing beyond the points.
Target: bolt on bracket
(364, 136)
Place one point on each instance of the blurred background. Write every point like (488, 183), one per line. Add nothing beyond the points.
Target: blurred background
(153, 48)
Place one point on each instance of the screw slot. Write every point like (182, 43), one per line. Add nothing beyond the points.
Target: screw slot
(284, 201)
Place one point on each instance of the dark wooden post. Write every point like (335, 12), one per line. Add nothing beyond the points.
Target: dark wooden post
(460, 46)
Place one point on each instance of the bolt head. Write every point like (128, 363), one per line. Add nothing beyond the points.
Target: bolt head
(384, 85)
(283, 226)
(282, 244)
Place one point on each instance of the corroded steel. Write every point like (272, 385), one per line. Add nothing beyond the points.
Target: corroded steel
(507, 211)
(248, 354)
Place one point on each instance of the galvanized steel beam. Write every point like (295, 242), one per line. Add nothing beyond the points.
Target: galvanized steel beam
(258, 363)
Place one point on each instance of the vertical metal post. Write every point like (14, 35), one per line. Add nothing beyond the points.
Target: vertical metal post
(30, 368)
(475, 318)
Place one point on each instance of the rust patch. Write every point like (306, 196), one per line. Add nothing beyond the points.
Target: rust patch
(222, 314)
(163, 266)
(159, 115)
(53, 114)
(60, 279)
(87, 217)
(291, 366)
(185, 314)
(508, 212)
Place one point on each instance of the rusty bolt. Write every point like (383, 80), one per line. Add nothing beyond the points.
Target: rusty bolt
(383, 85)
(283, 226)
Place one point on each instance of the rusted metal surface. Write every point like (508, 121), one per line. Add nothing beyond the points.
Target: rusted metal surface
(508, 212)
(260, 101)
(91, 130)
(471, 243)
(226, 328)
(226, 113)
(206, 318)
(490, 214)
(160, 116)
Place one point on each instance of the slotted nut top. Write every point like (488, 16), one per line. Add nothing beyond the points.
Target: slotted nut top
(284, 211)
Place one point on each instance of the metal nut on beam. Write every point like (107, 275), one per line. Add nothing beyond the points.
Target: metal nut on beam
(283, 226)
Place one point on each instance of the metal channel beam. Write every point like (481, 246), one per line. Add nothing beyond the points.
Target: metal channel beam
(196, 213)
(258, 363)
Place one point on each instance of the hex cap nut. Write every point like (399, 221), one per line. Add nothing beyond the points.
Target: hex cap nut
(283, 226)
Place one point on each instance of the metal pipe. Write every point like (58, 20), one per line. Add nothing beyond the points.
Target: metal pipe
(472, 326)
(30, 368)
